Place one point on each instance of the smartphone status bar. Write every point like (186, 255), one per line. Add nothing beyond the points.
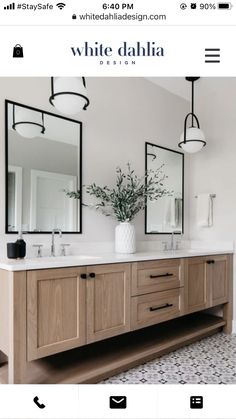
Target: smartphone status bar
(120, 13)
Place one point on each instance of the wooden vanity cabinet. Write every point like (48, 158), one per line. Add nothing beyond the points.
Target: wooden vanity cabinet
(69, 307)
(206, 282)
(48, 311)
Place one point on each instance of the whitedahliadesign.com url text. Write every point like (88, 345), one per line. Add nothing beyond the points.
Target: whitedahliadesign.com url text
(120, 17)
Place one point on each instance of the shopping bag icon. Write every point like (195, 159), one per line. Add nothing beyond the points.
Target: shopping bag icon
(18, 51)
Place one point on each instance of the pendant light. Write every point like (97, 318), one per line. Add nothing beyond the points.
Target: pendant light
(192, 139)
(69, 94)
(27, 122)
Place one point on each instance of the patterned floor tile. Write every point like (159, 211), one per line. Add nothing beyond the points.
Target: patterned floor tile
(209, 361)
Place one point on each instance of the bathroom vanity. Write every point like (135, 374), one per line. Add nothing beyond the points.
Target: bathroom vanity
(82, 319)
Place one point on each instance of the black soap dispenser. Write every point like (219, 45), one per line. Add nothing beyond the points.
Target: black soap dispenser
(21, 246)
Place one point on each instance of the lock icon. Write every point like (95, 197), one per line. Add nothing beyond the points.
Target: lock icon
(74, 16)
(18, 51)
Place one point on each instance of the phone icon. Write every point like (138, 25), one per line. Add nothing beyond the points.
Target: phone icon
(40, 405)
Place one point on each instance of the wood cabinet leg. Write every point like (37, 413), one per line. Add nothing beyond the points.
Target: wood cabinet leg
(228, 308)
(17, 359)
(227, 316)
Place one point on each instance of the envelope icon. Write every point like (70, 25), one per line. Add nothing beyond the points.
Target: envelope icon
(118, 402)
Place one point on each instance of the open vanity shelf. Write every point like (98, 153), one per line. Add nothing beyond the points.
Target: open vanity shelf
(85, 324)
(104, 359)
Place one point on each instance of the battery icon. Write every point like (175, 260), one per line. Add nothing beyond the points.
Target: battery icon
(225, 6)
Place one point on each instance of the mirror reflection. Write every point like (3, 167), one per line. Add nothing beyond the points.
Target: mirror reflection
(166, 215)
(43, 160)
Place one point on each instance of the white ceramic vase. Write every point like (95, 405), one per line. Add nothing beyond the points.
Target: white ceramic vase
(125, 241)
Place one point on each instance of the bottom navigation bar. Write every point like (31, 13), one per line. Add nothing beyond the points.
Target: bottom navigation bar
(117, 401)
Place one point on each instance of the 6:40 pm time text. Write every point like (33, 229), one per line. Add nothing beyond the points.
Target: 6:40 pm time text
(118, 6)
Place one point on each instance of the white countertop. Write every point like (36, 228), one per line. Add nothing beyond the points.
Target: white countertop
(87, 259)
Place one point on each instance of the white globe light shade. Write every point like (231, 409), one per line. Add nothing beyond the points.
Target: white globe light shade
(194, 140)
(69, 104)
(26, 129)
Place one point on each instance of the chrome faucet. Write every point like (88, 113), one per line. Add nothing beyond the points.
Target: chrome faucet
(55, 230)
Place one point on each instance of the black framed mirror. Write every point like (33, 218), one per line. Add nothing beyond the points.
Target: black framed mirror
(166, 215)
(43, 159)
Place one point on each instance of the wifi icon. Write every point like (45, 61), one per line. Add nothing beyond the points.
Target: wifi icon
(61, 5)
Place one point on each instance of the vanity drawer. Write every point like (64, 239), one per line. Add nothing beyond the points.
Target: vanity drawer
(155, 276)
(155, 308)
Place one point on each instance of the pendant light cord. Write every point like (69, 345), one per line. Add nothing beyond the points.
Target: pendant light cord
(192, 103)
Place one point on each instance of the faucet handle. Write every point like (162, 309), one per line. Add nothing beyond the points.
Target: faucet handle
(39, 251)
(63, 248)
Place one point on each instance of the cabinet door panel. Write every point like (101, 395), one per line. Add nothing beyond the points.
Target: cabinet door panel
(219, 279)
(197, 285)
(55, 311)
(57, 319)
(108, 301)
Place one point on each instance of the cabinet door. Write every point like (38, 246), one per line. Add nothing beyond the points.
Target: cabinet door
(217, 268)
(197, 284)
(55, 311)
(108, 301)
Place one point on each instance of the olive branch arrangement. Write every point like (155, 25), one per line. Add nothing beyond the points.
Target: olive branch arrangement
(130, 194)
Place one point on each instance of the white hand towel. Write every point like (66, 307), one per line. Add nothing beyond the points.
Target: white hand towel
(204, 210)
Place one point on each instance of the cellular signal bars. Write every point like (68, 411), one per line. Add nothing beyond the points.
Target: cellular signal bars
(10, 7)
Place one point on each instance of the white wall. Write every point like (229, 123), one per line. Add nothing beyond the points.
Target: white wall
(124, 113)
(214, 168)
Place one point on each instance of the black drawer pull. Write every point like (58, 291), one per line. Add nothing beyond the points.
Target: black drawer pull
(83, 276)
(160, 276)
(92, 275)
(160, 307)
(210, 261)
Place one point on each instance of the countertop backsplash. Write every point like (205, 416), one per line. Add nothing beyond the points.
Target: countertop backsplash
(82, 247)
